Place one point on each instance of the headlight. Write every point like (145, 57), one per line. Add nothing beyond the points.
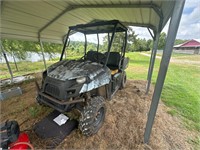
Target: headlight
(81, 80)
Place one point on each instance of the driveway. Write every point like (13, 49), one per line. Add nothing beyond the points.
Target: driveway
(179, 61)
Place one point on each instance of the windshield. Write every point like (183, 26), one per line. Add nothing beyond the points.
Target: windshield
(78, 45)
(93, 30)
(94, 47)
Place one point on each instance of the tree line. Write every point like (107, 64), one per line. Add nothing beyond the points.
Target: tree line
(19, 49)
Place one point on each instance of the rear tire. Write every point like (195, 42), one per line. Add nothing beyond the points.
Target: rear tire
(92, 116)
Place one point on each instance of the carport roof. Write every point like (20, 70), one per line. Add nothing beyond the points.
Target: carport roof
(49, 20)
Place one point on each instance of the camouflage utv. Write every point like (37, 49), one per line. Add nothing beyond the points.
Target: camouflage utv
(85, 83)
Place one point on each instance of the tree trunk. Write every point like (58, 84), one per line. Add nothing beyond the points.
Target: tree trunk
(15, 62)
(8, 65)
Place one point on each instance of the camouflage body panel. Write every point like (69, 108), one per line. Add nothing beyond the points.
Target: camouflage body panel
(97, 75)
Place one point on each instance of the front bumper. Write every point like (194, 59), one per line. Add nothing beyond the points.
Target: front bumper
(60, 105)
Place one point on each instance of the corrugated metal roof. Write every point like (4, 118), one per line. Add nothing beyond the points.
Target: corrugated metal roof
(50, 19)
(190, 43)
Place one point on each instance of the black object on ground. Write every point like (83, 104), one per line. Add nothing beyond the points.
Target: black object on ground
(9, 133)
(50, 130)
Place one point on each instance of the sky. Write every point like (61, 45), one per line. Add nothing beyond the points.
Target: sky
(189, 27)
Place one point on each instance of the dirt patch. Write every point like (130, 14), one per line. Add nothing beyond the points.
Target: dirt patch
(180, 60)
(124, 124)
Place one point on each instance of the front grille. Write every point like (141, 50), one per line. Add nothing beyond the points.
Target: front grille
(52, 90)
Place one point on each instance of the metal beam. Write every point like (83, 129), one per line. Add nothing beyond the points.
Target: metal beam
(152, 35)
(7, 62)
(171, 35)
(54, 19)
(165, 20)
(152, 61)
(141, 25)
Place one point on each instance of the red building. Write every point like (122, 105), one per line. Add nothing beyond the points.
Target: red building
(189, 47)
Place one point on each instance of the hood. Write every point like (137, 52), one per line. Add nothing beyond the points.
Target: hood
(72, 69)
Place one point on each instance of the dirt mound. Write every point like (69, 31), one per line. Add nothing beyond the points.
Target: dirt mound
(124, 124)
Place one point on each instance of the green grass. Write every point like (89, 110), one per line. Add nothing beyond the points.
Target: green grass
(189, 57)
(181, 89)
(24, 68)
(138, 66)
(181, 55)
(195, 142)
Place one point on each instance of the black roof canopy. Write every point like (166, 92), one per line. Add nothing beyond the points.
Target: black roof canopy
(99, 27)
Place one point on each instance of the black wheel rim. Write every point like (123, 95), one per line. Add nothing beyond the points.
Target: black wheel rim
(99, 117)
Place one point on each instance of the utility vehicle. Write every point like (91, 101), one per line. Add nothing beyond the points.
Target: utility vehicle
(85, 83)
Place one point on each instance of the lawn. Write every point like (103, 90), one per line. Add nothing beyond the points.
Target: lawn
(181, 88)
(24, 68)
(180, 92)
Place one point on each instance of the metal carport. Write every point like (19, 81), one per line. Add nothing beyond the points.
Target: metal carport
(49, 21)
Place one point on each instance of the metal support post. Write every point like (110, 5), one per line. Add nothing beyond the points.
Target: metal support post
(171, 35)
(42, 48)
(8, 65)
(152, 61)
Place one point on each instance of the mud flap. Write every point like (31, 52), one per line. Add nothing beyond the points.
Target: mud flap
(48, 129)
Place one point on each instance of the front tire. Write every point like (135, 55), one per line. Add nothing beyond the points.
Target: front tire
(92, 116)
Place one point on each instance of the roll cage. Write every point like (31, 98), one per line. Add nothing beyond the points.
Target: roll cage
(109, 27)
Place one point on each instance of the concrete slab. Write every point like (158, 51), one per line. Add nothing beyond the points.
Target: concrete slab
(17, 79)
(10, 93)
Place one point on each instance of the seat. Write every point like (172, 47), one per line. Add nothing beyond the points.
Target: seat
(90, 55)
(95, 56)
(113, 60)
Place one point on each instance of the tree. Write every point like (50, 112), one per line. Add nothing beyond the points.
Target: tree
(162, 41)
(14, 47)
(179, 41)
(119, 39)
